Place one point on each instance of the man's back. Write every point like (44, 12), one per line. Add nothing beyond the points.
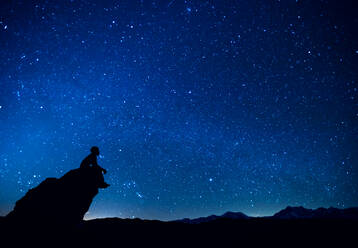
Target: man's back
(89, 160)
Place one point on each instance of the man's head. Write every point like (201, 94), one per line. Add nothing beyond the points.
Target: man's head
(95, 150)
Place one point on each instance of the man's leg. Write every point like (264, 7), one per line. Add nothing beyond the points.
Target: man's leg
(100, 179)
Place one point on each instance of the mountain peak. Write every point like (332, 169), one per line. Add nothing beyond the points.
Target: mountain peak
(234, 215)
(227, 215)
(319, 213)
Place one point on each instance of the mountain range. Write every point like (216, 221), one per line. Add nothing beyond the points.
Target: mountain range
(288, 213)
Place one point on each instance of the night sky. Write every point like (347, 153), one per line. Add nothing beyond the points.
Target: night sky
(198, 107)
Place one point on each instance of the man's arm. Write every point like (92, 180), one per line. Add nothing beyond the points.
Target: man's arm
(96, 164)
(104, 170)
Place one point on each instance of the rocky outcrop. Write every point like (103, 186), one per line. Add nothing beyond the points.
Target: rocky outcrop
(58, 202)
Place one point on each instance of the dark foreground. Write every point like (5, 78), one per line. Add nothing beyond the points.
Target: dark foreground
(50, 215)
(256, 232)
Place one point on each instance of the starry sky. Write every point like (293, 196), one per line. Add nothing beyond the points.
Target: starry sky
(198, 107)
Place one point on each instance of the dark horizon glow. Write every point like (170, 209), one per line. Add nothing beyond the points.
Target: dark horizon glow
(198, 107)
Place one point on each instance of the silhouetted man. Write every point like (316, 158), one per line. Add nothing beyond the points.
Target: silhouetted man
(92, 160)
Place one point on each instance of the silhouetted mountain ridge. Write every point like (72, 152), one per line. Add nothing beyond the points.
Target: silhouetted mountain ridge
(319, 213)
(227, 215)
(287, 213)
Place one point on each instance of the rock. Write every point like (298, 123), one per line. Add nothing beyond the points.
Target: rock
(58, 202)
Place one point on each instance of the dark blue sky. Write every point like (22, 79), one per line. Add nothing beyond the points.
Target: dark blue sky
(198, 107)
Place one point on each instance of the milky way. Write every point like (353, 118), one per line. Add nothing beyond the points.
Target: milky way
(198, 107)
